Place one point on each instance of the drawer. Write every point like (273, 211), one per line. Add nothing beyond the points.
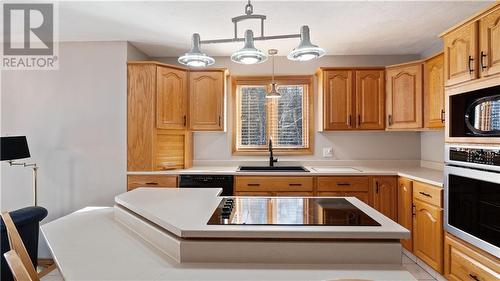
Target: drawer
(465, 263)
(273, 184)
(428, 193)
(343, 184)
(135, 181)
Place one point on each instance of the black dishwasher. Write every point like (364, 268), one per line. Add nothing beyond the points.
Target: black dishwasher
(206, 181)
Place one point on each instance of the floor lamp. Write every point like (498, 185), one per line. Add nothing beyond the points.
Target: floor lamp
(14, 148)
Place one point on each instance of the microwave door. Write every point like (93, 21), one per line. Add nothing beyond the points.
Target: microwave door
(472, 207)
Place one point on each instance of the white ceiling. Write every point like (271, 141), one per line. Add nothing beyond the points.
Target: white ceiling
(342, 28)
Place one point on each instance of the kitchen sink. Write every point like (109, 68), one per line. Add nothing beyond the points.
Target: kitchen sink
(272, 169)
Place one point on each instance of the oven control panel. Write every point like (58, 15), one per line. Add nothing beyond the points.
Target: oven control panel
(484, 156)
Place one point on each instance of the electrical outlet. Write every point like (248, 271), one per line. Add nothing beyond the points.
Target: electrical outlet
(327, 152)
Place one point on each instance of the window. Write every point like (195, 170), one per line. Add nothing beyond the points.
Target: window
(284, 120)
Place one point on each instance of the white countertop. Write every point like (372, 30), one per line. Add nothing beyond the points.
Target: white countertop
(426, 175)
(185, 213)
(90, 245)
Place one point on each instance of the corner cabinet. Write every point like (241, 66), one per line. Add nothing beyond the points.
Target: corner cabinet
(404, 96)
(352, 99)
(385, 196)
(434, 92)
(206, 99)
(171, 98)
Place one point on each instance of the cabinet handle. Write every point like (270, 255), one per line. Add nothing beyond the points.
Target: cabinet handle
(343, 183)
(350, 120)
(389, 117)
(425, 194)
(376, 187)
(442, 116)
(474, 277)
(483, 55)
(359, 120)
(152, 183)
(470, 67)
(185, 120)
(253, 184)
(295, 184)
(413, 209)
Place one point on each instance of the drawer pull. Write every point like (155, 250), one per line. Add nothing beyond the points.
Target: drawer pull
(474, 277)
(253, 184)
(425, 194)
(295, 184)
(343, 183)
(152, 183)
(471, 69)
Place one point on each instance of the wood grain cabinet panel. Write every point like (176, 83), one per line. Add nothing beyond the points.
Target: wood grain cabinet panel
(385, 196)
(404, 96)
(428, 193)
(135, 181)
(171, 98)
(370, 99)
(460, 54)
(339, 183)
(434, 92)
(428, 234)
(273, 184)
(489, 45)
(206, 100)
(465, 262)
(405, 210)
(337, 99)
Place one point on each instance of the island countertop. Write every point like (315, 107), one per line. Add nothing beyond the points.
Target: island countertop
(185, 213)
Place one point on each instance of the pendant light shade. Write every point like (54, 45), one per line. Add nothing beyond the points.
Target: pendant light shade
(274, 86)
(249, 54)
(195, 58)
(306, 50)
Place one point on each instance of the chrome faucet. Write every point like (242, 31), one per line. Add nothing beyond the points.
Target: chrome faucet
(272, 160)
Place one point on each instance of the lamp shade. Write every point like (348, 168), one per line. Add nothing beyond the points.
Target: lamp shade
(12, 148)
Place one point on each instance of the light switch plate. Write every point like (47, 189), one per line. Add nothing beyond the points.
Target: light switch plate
(327, 152)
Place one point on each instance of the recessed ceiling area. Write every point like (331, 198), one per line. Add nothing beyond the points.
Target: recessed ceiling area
(163, 29)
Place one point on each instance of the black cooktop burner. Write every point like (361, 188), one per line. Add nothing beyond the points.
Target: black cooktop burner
(289, 211)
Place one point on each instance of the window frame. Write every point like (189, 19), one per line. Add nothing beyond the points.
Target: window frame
(266, 81)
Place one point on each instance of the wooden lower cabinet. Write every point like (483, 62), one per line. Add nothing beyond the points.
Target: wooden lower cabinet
(273, 184)
(428, 234)
(405, 210)
(465, 262)
(135, 181)
(385, 196)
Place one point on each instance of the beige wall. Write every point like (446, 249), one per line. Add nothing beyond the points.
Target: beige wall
(346, 145)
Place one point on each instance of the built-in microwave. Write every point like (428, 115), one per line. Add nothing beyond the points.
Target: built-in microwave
(474, 117)
(472, 195)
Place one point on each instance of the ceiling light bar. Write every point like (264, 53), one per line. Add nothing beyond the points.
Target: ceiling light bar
(304, 52)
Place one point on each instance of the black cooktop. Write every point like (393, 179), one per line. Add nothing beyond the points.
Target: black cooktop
(289, 211)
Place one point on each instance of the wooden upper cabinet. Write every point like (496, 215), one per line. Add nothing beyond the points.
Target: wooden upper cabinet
(171, 98)
(405, 209)
(337, 99)
(428, 234)
(206, 99)
(404, 96)
(460, 54)
(434, 92)
(489, 46)
(370, 99)
(385, 196)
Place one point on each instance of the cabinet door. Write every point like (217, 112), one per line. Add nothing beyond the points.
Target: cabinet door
(171, 98)
(363, 196)
(206, 100)
(489, 57)
(460, 54)
(370, 99)
(434, 92)
(428, 234)
(404, 97)
(385, 196)
(337, 100)
(405, 210)
(165, 181)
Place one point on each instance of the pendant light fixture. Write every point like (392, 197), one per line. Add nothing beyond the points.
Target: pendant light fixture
(274, 91)
(195, 58)
(249, 54)
(306, 50)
